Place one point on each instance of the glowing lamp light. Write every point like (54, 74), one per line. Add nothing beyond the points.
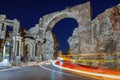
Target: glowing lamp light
(7, 44)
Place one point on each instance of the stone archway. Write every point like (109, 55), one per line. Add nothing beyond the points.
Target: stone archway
(50, 35)
(50, 40)
(29, 49)
(81, 13)
(59, 17)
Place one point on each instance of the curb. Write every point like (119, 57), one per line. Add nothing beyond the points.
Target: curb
(6, 68)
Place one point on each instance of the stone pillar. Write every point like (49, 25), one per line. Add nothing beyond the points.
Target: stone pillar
(14, 48)
(33, 53)
(0, 28)
(13, 55)
(43, 51)
(20, 49)
(3, 31)
(43, 46)
(4, 52)
(16, 26)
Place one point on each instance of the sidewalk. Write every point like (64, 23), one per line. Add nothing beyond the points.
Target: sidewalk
(5, 64)
(22, 64)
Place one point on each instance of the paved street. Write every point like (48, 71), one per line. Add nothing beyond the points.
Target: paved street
(39, 73)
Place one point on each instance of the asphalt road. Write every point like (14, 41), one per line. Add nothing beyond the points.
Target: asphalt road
(39, 73)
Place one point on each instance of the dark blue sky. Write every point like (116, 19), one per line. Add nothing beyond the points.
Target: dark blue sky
(28, 13)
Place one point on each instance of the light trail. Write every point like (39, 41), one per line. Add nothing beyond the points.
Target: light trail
(109, 61)
(56, 71)
(89, 54)
(85, 72)
(82, 60)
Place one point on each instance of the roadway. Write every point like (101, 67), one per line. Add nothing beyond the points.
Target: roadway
(48, 72)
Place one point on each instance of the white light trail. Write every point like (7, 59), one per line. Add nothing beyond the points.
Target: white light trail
(56, 71)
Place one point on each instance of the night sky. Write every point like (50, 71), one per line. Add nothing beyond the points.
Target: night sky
(28, 13)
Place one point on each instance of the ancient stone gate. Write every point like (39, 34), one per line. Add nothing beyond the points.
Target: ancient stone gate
(81, 13)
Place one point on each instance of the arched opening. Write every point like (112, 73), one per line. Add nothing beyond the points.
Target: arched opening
(63, 29)
(28, 49)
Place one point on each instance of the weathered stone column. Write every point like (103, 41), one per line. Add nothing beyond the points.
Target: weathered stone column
(21, 48)
(0, 28)
(43, 51)
(14, 48)
(16, 26)
(4, 52)
(2, 31)
(33, 53)
(43, 46)
(20, 51)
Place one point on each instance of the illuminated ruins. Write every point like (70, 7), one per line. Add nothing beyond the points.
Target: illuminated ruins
(91, 36)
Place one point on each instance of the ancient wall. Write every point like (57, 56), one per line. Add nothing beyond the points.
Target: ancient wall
(106, 30)
(102, 35)
(81, 40)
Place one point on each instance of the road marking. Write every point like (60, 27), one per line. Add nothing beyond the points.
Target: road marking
(90, 73)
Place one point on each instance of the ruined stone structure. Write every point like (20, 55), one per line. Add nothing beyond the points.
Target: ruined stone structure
(4, 23)
(90, 36)
(11, 41)
(106, 31)
(81, 13)
(37, 39)
(101, 35)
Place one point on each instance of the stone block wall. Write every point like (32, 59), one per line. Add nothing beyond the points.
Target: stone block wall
(102, 36)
